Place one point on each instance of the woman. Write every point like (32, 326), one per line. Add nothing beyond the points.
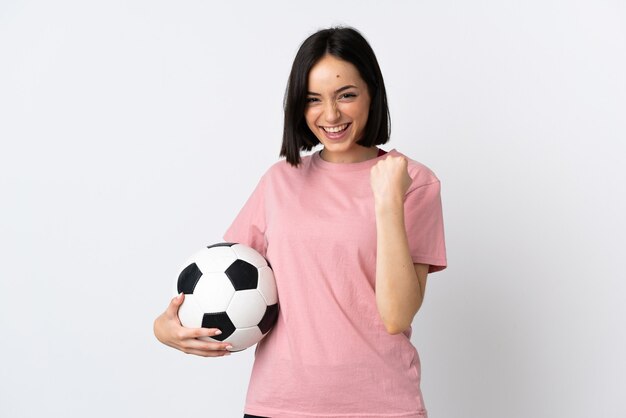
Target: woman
(351, 232)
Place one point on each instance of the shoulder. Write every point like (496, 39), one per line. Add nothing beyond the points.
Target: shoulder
(421, 175)
(282, 169)
(282, 175)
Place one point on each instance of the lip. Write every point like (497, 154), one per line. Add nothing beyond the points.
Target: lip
(336, 136)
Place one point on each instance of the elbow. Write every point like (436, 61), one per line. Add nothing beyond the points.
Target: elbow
(396, 327)
(395, 330)
(397, 322)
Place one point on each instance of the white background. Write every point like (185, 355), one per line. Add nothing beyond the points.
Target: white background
(133, 131)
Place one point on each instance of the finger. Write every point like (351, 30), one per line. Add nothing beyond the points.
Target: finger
(196, 334)
(222, 353)
(203, 332)
(172, 308)
(203, 345)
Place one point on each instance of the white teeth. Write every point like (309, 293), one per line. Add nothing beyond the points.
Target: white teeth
(335, 129)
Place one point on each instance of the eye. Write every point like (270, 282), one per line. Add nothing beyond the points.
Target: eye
(312, 100)
(347, 96)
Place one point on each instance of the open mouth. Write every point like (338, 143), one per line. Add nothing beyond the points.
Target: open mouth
(335, 129)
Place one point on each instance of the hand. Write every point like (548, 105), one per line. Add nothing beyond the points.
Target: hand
(169, 331)
(390, 181)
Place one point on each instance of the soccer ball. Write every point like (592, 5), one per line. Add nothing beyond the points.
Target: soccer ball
(230, 287)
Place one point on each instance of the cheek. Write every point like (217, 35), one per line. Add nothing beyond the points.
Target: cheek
(365, 111)
(310, 116)
(361, 115)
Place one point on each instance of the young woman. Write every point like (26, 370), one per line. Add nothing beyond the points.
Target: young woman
(351, 232)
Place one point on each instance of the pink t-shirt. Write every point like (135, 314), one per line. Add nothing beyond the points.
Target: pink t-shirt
(329, 354)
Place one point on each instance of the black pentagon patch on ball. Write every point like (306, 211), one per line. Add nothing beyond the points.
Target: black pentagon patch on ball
(188, 279)
(222, 244)
(221, 321)
(243, 275)
(268, 320)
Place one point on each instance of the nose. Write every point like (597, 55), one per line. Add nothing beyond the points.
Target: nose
(331, 112)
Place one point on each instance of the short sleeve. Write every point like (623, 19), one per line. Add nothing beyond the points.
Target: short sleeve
(424, 225)
(249, 226)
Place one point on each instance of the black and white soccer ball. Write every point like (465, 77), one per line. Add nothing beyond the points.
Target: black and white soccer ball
(230, 287)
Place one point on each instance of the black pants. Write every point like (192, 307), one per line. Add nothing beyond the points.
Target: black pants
(252, 416)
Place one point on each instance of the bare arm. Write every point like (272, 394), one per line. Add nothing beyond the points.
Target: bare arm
(400, 284)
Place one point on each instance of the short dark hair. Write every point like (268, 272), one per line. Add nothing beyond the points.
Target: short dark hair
(349, 45)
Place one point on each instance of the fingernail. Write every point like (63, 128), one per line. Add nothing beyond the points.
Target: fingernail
(180, 295)
(218, 332)
(229, 347)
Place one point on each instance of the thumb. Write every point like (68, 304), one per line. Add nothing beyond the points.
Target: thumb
(172, 309)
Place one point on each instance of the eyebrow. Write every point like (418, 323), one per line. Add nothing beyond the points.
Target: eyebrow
(339, 90)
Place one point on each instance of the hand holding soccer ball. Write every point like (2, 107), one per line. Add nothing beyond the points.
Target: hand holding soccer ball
(169, 331)
(227, 301)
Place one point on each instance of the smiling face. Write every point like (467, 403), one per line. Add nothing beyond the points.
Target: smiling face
(337, 108)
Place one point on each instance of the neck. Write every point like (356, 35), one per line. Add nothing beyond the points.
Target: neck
(364, 154)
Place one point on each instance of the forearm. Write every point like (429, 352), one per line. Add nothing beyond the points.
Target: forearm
(398, 292)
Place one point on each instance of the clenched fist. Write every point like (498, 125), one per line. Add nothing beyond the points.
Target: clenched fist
(390, 181)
